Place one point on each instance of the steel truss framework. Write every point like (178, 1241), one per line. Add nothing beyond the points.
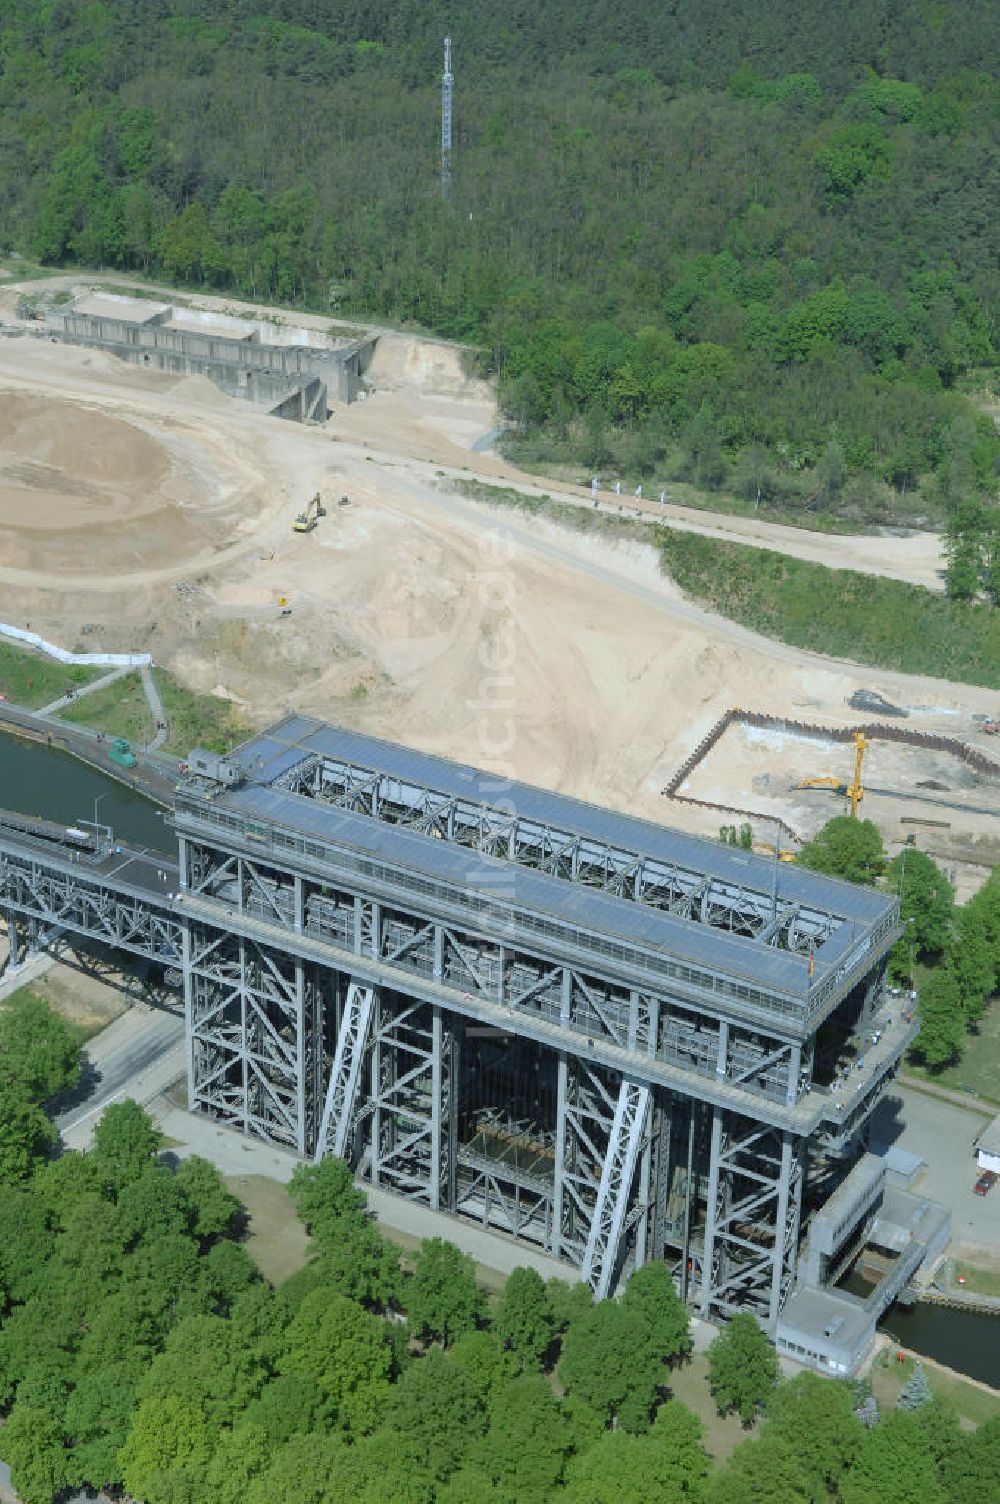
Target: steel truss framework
(314, 1054)
(687, 893)
(38, 896)
(387, 1093)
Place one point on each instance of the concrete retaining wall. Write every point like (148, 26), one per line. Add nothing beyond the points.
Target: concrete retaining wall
(242, 359)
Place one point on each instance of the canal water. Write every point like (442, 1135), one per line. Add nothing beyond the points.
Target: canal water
(39, 780)
(967, 1341)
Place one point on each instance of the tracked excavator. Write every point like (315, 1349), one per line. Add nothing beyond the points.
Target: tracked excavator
(307, 520)
(851, 791)
(767, 849)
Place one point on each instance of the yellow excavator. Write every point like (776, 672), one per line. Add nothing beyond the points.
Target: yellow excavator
(766, 849)
(852, 791)
(307, 520)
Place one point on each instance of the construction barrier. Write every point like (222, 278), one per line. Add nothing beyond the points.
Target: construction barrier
(873, 730)
(97, 660)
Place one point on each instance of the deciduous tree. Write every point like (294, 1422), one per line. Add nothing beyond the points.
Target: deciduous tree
(846, 848)
(125, 1144)
(332, 1340)
(38, 1050)
(609, 1360)
(524, 1319)
(742, 1368)
(442, 1298)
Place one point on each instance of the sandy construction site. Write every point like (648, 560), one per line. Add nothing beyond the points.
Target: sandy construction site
(139, 510)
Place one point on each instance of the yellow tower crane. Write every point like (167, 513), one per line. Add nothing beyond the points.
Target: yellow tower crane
(851, 791)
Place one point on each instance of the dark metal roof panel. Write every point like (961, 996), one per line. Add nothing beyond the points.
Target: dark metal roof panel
(505, 882)
(276, 750)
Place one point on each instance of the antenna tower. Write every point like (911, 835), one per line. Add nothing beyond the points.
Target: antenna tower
(447, 82)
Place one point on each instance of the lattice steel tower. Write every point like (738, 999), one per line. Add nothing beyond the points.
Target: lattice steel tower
(447, 83)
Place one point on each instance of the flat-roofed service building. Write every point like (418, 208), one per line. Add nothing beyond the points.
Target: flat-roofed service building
(988, 1147)
(603, 1037)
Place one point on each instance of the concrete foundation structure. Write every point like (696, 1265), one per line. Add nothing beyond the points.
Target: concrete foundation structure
(609, 1040)
(292, 373)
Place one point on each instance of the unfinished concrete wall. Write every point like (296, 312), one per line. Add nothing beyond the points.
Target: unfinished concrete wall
(234, 354)
(306, 402)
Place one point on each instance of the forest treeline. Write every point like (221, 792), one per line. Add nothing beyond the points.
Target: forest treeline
(754, 247)
(141, 1349)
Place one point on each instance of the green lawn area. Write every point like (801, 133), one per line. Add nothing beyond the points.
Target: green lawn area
(977, 1280)
(978, 1069)
(31, 679)
(722, 1432)
(971, 1404)
(119, 709)
(276, 1239)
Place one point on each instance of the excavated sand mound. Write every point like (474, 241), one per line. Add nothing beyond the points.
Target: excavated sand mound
(83, 489)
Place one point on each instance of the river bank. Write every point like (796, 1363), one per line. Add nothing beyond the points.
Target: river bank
(154, 777)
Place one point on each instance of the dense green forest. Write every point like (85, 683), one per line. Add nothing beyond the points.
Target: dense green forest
(752, 246)
(140, 1347)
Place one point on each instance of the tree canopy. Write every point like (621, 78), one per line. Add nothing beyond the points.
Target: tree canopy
(793, 321)
(742, 1368)
(847, 848)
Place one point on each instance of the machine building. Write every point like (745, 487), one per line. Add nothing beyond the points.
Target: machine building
(603, 1038)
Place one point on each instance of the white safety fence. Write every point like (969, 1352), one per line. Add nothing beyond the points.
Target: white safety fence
(108, 660)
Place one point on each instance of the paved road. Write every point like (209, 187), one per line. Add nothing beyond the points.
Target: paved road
(137, 1056)
(943, 1135)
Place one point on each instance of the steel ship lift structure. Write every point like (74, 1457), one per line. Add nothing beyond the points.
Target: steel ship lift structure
(602, 1037)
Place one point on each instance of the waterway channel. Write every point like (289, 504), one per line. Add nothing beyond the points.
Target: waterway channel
(39, 780)
(967, 1341)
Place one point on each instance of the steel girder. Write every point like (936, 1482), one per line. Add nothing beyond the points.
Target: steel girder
(488, 966)
(614, 1195)
(341, 1094)
(409, 1121)
(513, 1206)
(752, 1217)
(562, 853)
(246, 1033)
(81, 902)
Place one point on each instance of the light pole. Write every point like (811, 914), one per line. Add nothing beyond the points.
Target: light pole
(97, 838)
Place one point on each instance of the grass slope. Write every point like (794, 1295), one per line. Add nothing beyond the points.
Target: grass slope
(30, 679)
(839, 612)
(120, 709)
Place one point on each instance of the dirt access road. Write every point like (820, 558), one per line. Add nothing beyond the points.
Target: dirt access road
(142, 511)
(426, 381)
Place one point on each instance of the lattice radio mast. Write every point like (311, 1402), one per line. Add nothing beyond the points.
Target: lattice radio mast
(447, 83)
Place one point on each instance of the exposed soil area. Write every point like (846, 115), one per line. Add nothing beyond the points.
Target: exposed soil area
(933, 796)
(142, 511)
